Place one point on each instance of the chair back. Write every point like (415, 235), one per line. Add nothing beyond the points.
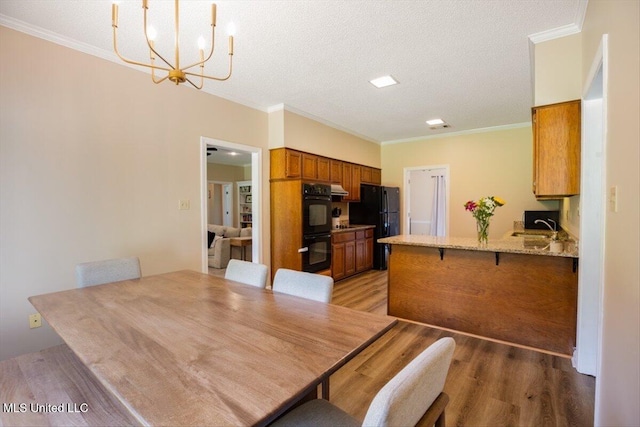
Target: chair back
(306, 285)
(407, 396)
(246, 272)
(106, 271)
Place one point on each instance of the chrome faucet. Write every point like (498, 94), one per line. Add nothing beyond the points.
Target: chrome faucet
(554, 228)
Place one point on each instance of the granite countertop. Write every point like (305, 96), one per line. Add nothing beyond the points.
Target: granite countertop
(511, 244)
(352, 228)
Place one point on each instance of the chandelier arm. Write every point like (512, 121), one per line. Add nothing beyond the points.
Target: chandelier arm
(202, 61)
(158, 81)
(221, 79)
(130, 61)
(151, 47)
(194, 85)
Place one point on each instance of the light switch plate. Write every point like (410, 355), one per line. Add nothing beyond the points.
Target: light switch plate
(184, 205)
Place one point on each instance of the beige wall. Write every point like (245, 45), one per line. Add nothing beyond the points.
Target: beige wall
(619, 378)
(94, 158)
(557, 65)
(308, 135)
(226, 173)
(494, 163)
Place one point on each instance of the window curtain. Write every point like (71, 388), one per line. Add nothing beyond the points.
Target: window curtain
(438, 213)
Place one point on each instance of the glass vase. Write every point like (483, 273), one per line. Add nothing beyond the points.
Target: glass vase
(483, 231)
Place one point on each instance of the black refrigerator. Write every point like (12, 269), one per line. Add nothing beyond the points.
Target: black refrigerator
(379, 206)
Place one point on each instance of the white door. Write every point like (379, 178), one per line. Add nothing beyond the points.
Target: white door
(227, 204)
(427, 196)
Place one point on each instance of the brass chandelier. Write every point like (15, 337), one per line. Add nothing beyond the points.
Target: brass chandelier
(175, 73)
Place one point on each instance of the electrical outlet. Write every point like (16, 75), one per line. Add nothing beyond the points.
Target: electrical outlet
(184, 205)
(35, 321)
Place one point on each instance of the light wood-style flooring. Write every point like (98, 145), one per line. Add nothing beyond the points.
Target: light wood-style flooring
(489, 383)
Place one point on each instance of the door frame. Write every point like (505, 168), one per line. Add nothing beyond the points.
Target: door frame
(407, 198)
(256, 182)
(587, 358)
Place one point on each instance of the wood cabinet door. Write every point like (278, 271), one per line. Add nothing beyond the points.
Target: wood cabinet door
(324, 172)
(556, 149)
(335, 171)
(354, 194)
(346, 180)
(309, 166)
(368, 259)
(361, 255)
(350, 258)
(376, 176)
(366, 174)
(337, 261)
(293, 164)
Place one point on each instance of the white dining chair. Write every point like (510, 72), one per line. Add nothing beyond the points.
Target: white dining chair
(414, 395)
(249, 273)
(305, 285)
(106, 271)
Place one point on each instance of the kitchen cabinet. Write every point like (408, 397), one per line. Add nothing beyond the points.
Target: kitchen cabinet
(292, 164)
(556, 150)
(286, 224)
(351, 181)
(315, 168)
(309, 166)
(286, 163)
(324, 171)
(335, 171)
(352, 253)
(369, 175)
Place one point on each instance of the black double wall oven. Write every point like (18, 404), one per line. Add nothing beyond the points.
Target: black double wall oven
(316, 227)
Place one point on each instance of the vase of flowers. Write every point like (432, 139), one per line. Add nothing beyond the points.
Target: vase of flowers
(482, 210)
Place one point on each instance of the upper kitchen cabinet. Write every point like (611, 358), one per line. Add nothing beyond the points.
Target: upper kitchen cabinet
(335, 171)
(351, 181)
(370, 175)
(315, 168)
(286, 164)
(556, 150)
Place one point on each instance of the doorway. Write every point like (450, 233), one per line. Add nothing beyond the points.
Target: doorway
(427, 200)
(254, 156)
(220, 203)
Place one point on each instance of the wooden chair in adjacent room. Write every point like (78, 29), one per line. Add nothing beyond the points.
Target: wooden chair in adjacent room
(249, 273)
(106, 271)
(305, 285)
(415, 395)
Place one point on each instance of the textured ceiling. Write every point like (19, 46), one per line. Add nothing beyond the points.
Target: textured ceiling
(466, 61)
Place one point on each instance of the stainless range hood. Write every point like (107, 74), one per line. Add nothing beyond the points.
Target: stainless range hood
(337, 190)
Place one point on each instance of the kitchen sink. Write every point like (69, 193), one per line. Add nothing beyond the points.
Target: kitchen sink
(536, 242)
(533, 234)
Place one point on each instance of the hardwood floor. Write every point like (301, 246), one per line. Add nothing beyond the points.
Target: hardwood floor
(489, 383)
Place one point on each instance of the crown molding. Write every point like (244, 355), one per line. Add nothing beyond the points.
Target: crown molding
(463, 132)
(320, 120)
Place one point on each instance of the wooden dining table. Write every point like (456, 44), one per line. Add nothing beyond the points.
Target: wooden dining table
(187, 348)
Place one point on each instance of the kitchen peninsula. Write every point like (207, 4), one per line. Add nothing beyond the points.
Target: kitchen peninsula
(502, 291)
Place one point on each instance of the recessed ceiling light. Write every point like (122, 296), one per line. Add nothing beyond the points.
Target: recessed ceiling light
(435, 122)
(383, 81)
